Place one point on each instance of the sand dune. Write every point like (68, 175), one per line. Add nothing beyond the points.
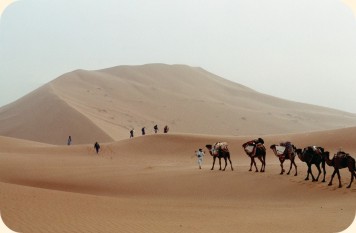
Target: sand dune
(104, 105)
(42, 116)
(152, 184)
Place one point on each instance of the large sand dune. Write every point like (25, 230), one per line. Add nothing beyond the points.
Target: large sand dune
(104, 105)
(152, 184)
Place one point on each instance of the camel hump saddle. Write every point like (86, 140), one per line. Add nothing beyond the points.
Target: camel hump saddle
(222, 146)
(341, 154)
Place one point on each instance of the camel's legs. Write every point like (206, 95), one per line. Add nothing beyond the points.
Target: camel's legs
(254, 163)
(319, 172)
(290, 167)
(251, 164)
(230, 163)
(324, 171)
(225, 163)
(296, 170)
(309, 172)
(220, 163)
(259, 158)
(214, 157)
(282, 170)
(352, 176)
(264, 163)
(332, 177)
(338, 176)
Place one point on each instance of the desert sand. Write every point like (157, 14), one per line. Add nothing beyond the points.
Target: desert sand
(152, 183)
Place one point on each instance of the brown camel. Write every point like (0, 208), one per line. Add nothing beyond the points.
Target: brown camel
(287, 152)
(219, 150)
(256, 149)
(339, 161)
(312, 155)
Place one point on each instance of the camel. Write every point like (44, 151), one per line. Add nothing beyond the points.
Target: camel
(288, 152)
(312, 155)
(253, 149)
(219, 150)
(339, 161)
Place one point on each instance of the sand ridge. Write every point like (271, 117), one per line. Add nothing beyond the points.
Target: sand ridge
(106, 104)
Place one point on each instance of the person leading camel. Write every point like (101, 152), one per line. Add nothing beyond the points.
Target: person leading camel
(200, 155)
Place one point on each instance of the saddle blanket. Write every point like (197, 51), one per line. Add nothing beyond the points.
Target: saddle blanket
(221, 145)
(249, 149)
(280, 150)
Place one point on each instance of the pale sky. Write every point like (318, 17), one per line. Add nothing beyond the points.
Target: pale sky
(301, 50)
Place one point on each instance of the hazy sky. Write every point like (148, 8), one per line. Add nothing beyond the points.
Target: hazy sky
(302, 50)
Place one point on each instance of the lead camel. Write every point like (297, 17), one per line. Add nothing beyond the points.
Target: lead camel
(219, 150)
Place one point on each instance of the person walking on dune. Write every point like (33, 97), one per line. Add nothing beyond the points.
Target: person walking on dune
(166, 129)
(143, 131)
(155, 128)
(69, 142)
(200, 155)
(97, 147)
(131, 133)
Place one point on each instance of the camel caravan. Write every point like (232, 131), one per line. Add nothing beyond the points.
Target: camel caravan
(311, 155)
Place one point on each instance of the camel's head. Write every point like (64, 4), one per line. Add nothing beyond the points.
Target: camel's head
(273, 146)
(260, 140)
(300, 153)
(211, 149)
(326, 154)
(246, 144)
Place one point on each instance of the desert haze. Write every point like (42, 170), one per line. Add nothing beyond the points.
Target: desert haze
(152, 183)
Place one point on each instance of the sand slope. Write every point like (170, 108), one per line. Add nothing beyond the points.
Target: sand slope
(42, 116)
(104, 105)
(152, 184)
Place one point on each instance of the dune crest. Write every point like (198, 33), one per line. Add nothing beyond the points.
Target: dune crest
(105, 104)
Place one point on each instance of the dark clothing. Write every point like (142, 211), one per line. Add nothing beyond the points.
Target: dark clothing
(155, 128)
(97, 147)
(131, 133)
(143, 131)
(69, 140)
(166, 129)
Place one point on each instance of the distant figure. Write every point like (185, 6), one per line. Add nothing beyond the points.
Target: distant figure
(155, 128)
(131, 133)
(97, 147)
(69, 140)
(166, 129)
(143, 131)
(200, 154)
